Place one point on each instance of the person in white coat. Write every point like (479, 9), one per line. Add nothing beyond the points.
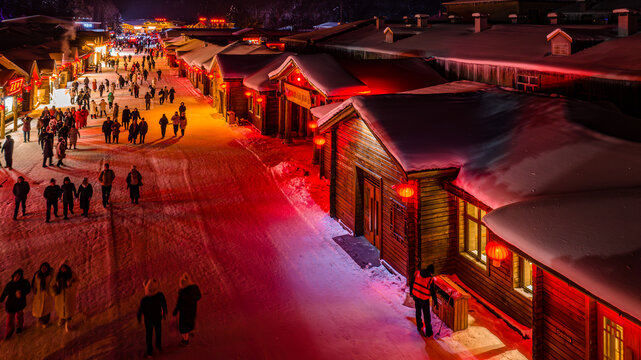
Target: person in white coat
(42, 303)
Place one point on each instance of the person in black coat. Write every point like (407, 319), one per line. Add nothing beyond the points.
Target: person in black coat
(52, 194)
(134, 182)
(85, 192)
(106, 129)
(126, 117)
(15, 293)
(69, 193)
(20, 191)
(154, 309)
(163, 125)
(188, 297)
(143, 127)
(172, 94)
(182, 109)
(7, 149)
(423, 288)
(47, 150)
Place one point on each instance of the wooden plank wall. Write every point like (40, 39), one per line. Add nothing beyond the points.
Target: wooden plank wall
(437, 222)
(495, 284)
(356, 146)
(237, 99)
(562, 320)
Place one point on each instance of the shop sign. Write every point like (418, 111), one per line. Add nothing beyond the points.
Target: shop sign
(298, 95)
(14, 87)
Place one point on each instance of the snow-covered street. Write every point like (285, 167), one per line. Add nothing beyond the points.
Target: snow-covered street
(275, 285)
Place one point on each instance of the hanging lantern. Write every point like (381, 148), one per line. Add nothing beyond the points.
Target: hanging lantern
(38, 83)
(210, 76)
(223, 86)
(260, 100)
(313, 125)
(496, 252)
(248, 93)
(405, 191)
(1, 107)
(319, 140)
(28, 88)
(20, 99)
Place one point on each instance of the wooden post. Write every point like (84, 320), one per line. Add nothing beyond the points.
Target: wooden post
(281, 111)
(316, 154)
(15, 113)
(537, 313)
(287, 136)
(411, 232)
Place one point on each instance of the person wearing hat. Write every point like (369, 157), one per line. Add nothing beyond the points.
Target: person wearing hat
(20, 191)
(422, 289)
(153, 307)
(186, 305)
(52, 194)
(7, 149)
(15, 293)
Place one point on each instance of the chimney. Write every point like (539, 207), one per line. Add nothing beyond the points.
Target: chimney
(421, 20)
(480, 22)
(455, 19)
(554, 18)
(380, 22)
(516, 18)
(627, 21)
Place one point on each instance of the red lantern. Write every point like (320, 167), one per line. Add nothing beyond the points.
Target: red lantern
(223, 86)
(210, 76)
(38, 83)
(20, 99)
(1, 107)
(28, 88)
(313, 125)
(260, 100)
(248, 93)
(496, 252)
(319, 140)
(405, 191)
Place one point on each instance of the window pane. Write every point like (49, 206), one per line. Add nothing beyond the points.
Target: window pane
(483, 242)
(526, 277)
(472, 238)
(472, 210)
(612, 340)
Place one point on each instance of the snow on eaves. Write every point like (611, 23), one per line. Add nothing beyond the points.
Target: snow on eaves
(259, 80)
(325, 74)
(591, 238)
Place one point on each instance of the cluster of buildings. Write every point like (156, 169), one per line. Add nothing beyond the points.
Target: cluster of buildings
(507, 155)
(39, 55)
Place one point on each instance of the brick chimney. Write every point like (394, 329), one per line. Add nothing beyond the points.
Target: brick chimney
(380, 22)
(480, 22)
(421, 20)
(554, 18)
(627, 21)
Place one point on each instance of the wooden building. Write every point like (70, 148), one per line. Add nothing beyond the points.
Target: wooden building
(418, 185)
(499, 10)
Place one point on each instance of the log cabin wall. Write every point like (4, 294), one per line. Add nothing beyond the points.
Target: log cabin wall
(564, 319)
(236, 99)
(357, 150)
(494, 284)
(267, 122)
(437, 221)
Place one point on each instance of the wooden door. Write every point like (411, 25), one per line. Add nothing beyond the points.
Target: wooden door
(372, 213)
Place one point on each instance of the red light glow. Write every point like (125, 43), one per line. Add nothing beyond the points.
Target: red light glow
(319, 140)
(496, 252)
(405, 191)
(248, 93)
(313, 125)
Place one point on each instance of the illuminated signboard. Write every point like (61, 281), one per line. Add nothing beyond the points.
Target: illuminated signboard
(14, 87)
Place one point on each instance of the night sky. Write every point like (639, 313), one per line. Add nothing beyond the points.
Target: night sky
(175, 9)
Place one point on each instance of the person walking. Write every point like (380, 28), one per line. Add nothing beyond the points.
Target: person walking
(85, 192)
(153, 307)
(74, 134)
(136, 90)
(64, 290)
(106, 129)
(110, 100)
(116, 111)
(147, 101)
(182, 109)
(106, 178)
(175, 121)
(126, 117)
(183, 124)
(15, 293)
(26, 128)
(134, 182)
(115, 131)
(47, 149)
(7, 149)
(143, 127)
(94, 85)
(61, 151)
(163, 125)
(95, 109)
(159, 72)
(172, 94)
(133, 132)
(52, 194)
(161, 96)
(42, 303)
(422, 289)
(135, 115)
(186, 305)
(20, 191)
(69, 193)
(103, 107)
(101, 89)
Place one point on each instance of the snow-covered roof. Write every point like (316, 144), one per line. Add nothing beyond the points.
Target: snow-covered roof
(454, 87)
(190, 45)
(241, 66)
(201, 56)
(509, 146)
(324, 73)
(320, 111)
(590, 237)
(259, 80)
(241, 48)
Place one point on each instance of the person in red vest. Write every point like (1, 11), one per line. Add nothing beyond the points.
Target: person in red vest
(422, 288)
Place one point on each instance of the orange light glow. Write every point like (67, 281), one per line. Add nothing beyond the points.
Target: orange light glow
(260, 100)
(405, 191)
(496, 252)
(313, 125)
(248, 93)
(319, 140)
(223, 86)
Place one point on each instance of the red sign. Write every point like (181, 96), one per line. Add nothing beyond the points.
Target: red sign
(14, 87)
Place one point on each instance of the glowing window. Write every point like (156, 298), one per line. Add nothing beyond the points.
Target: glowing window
(475, 232)
(612, 340)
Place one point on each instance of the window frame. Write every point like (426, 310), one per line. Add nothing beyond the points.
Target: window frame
(527, 83)
(478, 257)
(250, 103)
(519, 275)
